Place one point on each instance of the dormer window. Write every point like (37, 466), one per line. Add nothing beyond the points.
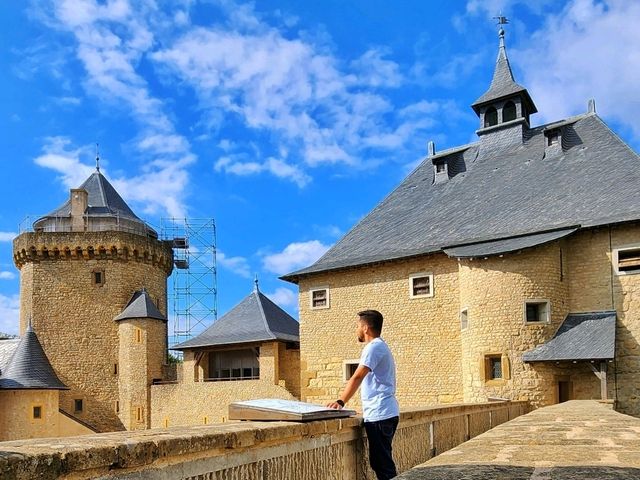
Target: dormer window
(441, 167)
(490, 117)
(553, 137)
(509, 112)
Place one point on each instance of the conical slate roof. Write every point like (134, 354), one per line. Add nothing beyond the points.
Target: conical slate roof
(141, 306)
(503, 84)
(29, 367)
(254, 319)
(103, 201)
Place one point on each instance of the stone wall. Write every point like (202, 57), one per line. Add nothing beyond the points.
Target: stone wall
(423, 333)
(290, 369)
(67, 309)
(320, 450)
(16, 414)
(201, 403)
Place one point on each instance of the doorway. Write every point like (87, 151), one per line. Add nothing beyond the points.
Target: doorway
(564, 391)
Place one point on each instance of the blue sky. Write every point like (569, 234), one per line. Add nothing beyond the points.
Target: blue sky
(285, 121)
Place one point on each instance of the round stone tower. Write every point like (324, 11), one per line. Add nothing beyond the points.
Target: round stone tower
(78, 270)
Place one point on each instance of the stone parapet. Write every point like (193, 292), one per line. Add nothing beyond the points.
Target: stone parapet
(111, 245)
(331, 449)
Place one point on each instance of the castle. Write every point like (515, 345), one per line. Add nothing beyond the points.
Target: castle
(505, 269)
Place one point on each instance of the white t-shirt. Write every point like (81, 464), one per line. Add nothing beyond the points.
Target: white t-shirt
(378, 388)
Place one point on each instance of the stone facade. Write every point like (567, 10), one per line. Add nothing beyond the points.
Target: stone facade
(73, 314)
(439, 362)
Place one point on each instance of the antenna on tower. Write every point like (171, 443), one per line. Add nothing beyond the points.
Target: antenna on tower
(97, 157)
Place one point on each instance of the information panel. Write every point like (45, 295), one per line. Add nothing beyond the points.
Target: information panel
(275, 409)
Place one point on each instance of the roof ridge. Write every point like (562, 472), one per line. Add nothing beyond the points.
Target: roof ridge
(267, 327)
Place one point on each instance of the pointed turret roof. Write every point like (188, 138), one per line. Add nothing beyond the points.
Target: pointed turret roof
(503, 84)
(254, 319)
(141, 306)
(29, 367)
(103, 201)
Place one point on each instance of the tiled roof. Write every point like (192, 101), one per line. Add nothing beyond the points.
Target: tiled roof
(582, 336)
(29, 367)
(254, 319)
(103, 200)
(590, 179)
(141, 306)
(7, 349)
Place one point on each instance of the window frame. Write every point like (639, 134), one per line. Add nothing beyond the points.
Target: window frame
(615, 258)
(98, 271)
(40, 416)
(75, 405)
(537, 301)
(415, 276)
(505, 368)
(346, 371)
(328, 298)
(464, 312)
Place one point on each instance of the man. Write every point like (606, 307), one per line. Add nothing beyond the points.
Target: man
(377, 374)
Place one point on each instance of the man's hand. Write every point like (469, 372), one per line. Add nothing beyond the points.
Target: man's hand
(334, 405)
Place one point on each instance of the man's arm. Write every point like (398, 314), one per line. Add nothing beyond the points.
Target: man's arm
(351, 387)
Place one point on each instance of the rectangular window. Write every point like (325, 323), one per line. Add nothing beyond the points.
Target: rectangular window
(78, 405)
(138, 335)
(115, 368)
(138, 414)
(495, 368)
(536, 311)
(319, 297)
(97, 277)
(116, 406)
(627, 260)
(165, 422)
(553, 137)
(234, 365)
(421, 285)
(349, 368)
(37, 412)
(205, 420)
(440, 168)
(464, 319)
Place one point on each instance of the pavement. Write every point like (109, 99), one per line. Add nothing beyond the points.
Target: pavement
(579, 439)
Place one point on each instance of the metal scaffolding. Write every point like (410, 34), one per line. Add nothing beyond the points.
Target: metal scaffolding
(193, 291)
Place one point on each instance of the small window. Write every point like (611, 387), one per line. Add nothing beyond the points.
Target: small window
(78, 405)
(205, 420)
(494, 370)
(536, 311)
(116, 406)
(350, 367)
(490, 117)
(98, 277)
(508, 112)
(441, 167)
(320, 298)
(627, 260)
(464, 319)
(553, 137)
(115, 368)
(37, 412)
(138, 335)
(165, 422)
(138, 414)
(421, 285)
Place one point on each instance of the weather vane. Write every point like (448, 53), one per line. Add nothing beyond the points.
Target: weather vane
(97, 157)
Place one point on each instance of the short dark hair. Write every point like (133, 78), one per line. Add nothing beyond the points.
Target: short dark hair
(372, 318)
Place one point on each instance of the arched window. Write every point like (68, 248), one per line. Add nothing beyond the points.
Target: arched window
(490, 117)
(508, 112)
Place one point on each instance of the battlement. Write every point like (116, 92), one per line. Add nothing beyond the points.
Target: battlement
(106, 245)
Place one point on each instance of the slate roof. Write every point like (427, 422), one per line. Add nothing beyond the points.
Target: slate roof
(7, 348)
(254, 319)
(29, 367)
(582, 336)
(141, 306)
(503, 84)
(103, 200)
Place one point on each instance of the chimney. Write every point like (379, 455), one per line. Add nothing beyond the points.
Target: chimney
(79, 204)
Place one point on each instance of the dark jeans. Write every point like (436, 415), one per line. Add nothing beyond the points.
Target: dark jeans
(380, 434)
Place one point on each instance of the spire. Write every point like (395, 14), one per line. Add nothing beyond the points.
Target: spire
(97, 157)
(255, 281)
(503, 84)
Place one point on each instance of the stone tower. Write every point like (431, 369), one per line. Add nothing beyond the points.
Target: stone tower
(78, 271)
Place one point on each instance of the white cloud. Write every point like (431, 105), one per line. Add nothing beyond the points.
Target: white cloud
(60, 156)
(295, 255)
(9, 314)
(238, 265)
(110, 39)
(589, 50)
(5, 275)
(277, 167)
(7, 236)
(375, 71)
(284, 297)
